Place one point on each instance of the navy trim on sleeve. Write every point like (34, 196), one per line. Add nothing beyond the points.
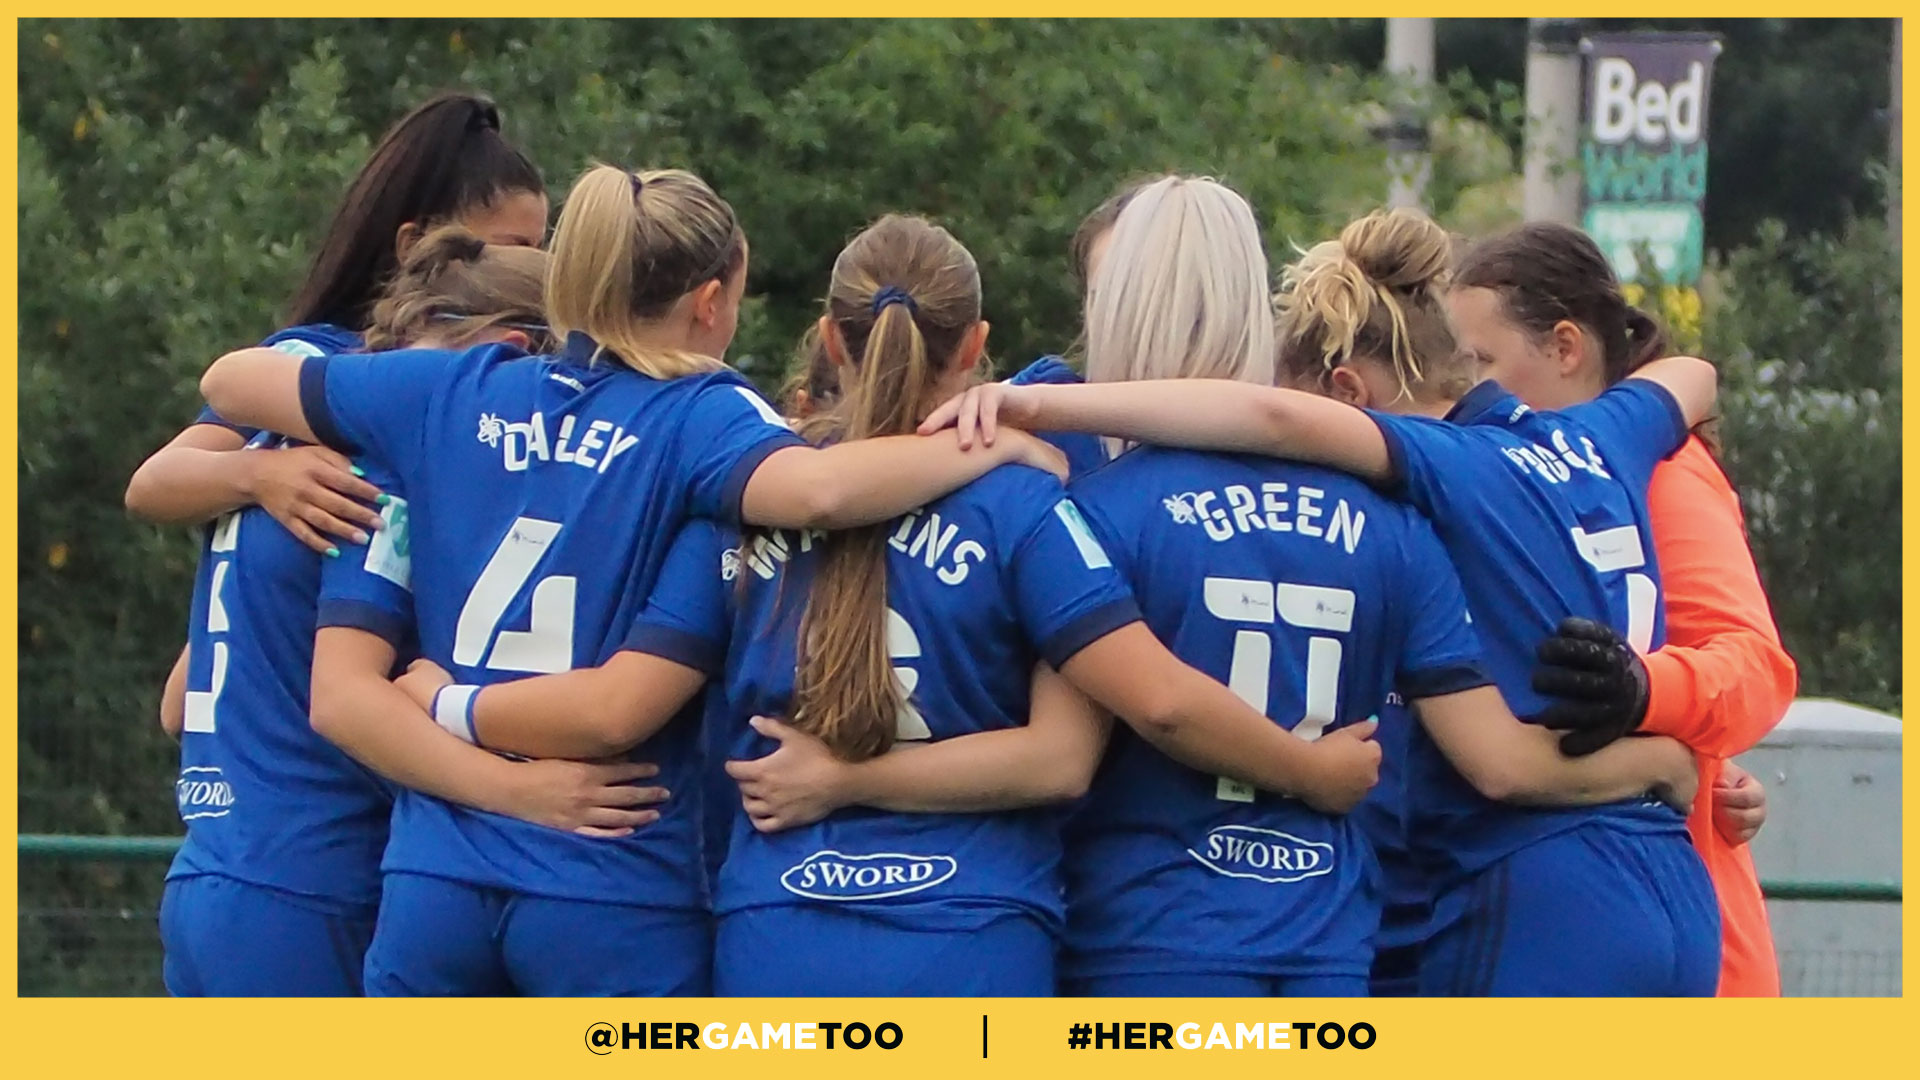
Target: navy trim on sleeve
(1439, 681)
(704, 655)
(360, 615)
(313, 402)
(735, 491)
(1087, 629)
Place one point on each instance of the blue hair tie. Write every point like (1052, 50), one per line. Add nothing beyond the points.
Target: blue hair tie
(893, 294)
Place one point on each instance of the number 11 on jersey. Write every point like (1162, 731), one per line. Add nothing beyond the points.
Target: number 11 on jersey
(1250, 673)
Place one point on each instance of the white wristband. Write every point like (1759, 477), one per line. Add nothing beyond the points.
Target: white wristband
(453, 710)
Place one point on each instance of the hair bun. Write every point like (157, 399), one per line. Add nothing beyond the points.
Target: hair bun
(442, 248)
(1399, 249)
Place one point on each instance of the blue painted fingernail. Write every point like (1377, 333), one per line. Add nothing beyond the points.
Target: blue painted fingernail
(333, 553)
(357, 470)
(382, 499)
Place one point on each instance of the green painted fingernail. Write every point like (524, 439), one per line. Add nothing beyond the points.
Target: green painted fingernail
(357, 470)
(382, 499)
(333, 553)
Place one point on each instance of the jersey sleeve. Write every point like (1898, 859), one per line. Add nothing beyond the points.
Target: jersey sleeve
(1637, 423)
(1065, 586)
(686, 619)
(373, 404)
(370, 586)
(1439, 653)
(731, 429)
(293, 343)
(1426, 455)
(1722, 681)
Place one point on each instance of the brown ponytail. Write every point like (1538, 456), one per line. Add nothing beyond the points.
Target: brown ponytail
(1545, 273)
(905, 294)
(454, 287)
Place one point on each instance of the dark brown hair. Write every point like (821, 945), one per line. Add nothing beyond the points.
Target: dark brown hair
(1546, 273)
(1098, 224)
(445, 157)
(812, 383)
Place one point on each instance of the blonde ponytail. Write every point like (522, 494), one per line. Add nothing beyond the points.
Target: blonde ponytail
(1376, 293)
(628, 246)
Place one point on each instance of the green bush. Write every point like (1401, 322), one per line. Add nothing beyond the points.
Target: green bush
(1807, 335)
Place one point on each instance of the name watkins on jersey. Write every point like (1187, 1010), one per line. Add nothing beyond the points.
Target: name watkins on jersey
(520, 443)
(920, 536)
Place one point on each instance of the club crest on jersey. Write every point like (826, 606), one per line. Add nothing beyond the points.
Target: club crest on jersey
(834, 875)
(523, 442)
(202, 793)
(1243, 851)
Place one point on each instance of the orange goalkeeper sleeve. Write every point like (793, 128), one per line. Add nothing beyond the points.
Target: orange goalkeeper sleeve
(1721, 682)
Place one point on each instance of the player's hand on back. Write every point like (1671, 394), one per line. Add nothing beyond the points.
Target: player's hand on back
(1739, 804)
(978, 413)
(1599, 683)
(1346, 766)
(315, 494)
(598, 799)
(798, 784)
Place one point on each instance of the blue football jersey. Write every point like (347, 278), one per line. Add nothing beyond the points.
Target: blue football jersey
(312, 339)
(543, 493)
(1313, 597)
(981, 585)
(1544, 515)
(1405, 893)
(1084, 452)
(264, 799)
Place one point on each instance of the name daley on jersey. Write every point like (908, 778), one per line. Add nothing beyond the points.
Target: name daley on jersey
(590, 444)
(1237, 510)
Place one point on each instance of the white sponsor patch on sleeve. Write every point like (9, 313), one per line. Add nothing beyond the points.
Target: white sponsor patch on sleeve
(1091, 552)
(390, 552)
(760, 406)
(296, 347)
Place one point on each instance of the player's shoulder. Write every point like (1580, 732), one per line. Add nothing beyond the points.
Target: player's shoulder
(1047, 369)
(1010, 486)
(314, 339)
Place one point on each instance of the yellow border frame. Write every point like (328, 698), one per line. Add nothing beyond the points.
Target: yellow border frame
(1482, 1040)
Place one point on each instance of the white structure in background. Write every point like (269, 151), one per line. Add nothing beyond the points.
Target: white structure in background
(1551, 186)
(1410, 64)
(1832, 772)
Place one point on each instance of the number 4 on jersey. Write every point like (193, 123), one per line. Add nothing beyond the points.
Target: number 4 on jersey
(546, 646)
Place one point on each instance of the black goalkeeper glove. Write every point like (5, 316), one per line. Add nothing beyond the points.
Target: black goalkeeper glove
(1599, 681)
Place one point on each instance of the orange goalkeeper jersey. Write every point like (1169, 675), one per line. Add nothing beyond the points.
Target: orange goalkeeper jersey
(1721, 682)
